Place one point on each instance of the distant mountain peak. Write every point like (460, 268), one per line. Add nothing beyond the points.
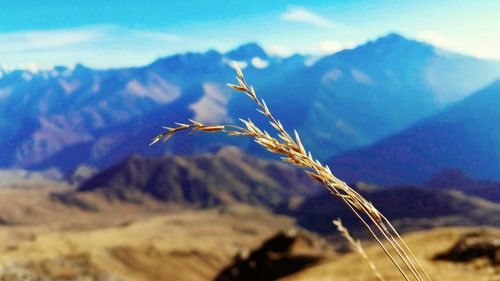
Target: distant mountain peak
(392, 36)
(81, 69)
(247, 52)
(389, 49)
(450, 178)
(393, 40)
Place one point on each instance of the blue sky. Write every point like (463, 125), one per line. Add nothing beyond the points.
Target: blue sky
(125, 33)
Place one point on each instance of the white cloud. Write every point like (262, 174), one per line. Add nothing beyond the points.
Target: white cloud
(279, 50)
(302, 15)
(329, 47)
(436, 39)
(241, 64)
(155, 35)
(486, 50)
(326, 47)
(32, 67)
(259, 63)
(485, 47)
(316, 48)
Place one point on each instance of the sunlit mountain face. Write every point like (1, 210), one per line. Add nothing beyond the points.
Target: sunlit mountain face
(67, 117)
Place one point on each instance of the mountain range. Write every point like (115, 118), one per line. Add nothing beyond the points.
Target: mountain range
(231, 177)
(67, 117)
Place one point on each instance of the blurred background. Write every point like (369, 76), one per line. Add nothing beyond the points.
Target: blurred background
(400, 98)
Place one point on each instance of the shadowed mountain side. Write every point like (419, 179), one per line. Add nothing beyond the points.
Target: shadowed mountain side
(465, 136)
(407, 207)
(205, 180)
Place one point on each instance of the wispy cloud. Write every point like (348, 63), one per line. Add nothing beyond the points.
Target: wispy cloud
(155, 35)
(436, 39)
(314, 48)
(279, 50)
(302, 15)
(51, 39)
(106, 45)
(329, 47)
(41, 40)
(485, 47)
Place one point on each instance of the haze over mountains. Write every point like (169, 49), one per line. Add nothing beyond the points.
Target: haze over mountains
(67, 117)
(465, 136)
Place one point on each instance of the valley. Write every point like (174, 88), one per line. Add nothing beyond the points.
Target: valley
(111, 227)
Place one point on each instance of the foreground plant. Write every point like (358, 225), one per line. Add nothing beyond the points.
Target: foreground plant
(294, 152)
(356, 246)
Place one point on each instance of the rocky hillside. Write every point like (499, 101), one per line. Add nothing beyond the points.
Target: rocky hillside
(205, 180)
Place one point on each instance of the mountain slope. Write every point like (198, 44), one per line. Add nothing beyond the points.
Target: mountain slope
(464, 137)
(228, 176)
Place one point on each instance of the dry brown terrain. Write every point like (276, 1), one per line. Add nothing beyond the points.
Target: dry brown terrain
(45, 240)
(179, 245)
(42, 239)
(425, 245)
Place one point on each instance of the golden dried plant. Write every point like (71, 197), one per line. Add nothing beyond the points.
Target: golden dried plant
(293, 152)
(356, 246)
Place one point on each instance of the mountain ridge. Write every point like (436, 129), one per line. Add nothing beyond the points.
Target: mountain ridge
(231, 177)
(206, 180)
(67, 117)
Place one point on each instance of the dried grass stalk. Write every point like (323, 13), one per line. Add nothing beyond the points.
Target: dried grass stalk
(294, 153)
(356, 246)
